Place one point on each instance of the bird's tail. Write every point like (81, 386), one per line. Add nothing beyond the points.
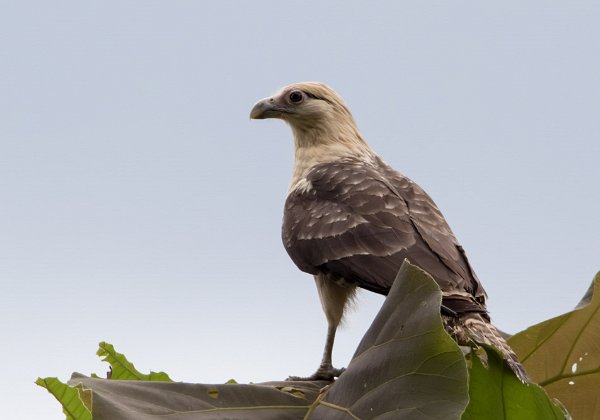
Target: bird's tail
(472, 327)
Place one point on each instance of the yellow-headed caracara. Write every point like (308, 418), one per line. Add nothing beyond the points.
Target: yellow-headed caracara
(351, 220)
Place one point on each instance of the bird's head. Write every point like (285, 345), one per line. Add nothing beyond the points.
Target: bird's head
(316, 114)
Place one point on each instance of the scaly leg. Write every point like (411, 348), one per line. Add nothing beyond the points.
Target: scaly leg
(334, 295)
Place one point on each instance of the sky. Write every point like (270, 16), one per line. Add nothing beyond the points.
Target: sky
(141, 206)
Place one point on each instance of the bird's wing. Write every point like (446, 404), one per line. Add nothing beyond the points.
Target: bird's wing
(353, 223)
(433, 228)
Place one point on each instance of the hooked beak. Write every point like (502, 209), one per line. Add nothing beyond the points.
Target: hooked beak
(266, 108)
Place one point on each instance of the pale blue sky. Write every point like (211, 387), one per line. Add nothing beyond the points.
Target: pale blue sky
(142, 207)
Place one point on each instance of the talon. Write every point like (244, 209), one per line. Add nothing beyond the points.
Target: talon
(324, 373)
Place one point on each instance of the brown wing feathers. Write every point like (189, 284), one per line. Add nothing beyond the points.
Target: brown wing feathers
(354, 222)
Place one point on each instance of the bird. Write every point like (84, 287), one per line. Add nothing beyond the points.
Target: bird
(351, 220)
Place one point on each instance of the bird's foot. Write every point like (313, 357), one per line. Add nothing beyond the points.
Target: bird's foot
(324, 373)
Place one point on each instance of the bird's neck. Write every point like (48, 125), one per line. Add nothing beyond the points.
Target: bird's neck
(324, 144)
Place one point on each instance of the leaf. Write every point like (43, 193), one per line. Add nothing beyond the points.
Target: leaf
(123, 369)
(406, 366)
(76, 401)
(497, 394)
(143, 400)
(563, 355)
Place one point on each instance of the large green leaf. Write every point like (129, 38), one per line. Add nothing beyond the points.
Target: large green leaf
(497, 394)
(142, 400)
(406, 366)
(123, 369)
(76, 401)
(563, 355)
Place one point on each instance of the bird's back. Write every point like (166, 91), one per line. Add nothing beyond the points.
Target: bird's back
(358, 221)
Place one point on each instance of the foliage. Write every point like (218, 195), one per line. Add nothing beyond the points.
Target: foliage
(127, 400)
(76, 401)
(406, 367)
(406, 348)
(563, 355)
(123, 369)
(495, 393)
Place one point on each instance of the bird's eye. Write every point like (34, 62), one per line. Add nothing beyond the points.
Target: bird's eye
(296, 97)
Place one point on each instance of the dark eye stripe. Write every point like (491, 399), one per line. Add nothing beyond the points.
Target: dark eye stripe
(312, 96)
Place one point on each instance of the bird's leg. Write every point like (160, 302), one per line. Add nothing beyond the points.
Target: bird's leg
(334, 298)
(326, 369)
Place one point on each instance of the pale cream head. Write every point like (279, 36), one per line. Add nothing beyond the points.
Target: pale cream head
(314, 111)
(323, 127)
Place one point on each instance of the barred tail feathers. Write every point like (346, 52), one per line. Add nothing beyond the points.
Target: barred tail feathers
(472, 327)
